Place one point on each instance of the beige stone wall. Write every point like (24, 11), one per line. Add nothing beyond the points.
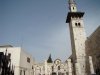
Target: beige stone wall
(56, 67)
(93, 47)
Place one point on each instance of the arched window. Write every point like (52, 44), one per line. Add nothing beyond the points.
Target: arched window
(75, 24)
(52, 68)
(58, 67)
(73, 8)
(32, 67)
(79, 24)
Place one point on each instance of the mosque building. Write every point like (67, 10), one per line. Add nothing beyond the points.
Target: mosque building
(85, 58)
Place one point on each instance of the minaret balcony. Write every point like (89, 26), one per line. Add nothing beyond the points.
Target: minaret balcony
(74, 14)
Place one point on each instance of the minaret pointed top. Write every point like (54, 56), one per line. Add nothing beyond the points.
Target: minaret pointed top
(49, 59)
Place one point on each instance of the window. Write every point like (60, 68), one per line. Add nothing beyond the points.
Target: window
(32, 67)
(52, 68)
(73, 8)
(75, 24)
(28, 59)
(58, 67)
(79, 24)
(83, 66)
(58, 62)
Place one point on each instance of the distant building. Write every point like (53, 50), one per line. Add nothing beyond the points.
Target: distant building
(56, 67)
(22, 61)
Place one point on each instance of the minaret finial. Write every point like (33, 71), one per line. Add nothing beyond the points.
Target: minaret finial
(71, 1)
(72, 6)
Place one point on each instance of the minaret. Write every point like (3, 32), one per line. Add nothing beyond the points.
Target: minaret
(72, 6)
(78, 38)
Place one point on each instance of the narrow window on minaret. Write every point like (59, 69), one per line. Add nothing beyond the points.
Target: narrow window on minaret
(79, 24)
(73, 8)
(83, 66)
(76, 24)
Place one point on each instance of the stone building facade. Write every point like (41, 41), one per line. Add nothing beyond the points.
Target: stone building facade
(85, 52)
(93, 48)
(78, 38)
(55, 68)
(78, 42)
(21, 60)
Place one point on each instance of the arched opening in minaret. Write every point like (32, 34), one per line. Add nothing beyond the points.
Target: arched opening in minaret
(79, 24)
(73, 8)
(75, 24)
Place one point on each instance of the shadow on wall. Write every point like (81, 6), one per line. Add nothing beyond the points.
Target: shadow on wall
(97, 71)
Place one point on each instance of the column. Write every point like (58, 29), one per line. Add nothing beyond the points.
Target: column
(91, 65)
(34, 70)
(57, 72)
(45, 67)
(77, 69)
(69, 67)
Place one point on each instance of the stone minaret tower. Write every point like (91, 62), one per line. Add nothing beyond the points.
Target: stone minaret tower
(78, 38)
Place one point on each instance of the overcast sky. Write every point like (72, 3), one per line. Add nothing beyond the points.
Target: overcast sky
(39, 25)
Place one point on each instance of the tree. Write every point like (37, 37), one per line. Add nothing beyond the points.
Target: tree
(5, 64)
